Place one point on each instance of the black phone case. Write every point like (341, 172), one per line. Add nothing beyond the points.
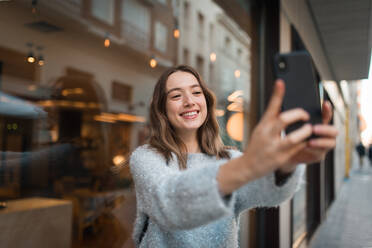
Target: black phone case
(301, 89)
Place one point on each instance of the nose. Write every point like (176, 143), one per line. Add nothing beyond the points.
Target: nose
(188, 101)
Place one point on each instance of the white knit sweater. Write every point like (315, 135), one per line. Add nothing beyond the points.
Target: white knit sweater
(185, 208)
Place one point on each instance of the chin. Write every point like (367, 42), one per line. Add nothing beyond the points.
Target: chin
(191, 128)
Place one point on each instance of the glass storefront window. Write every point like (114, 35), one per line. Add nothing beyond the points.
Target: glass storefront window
(75, 87)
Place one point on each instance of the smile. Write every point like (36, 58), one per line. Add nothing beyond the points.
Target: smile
(190, 114)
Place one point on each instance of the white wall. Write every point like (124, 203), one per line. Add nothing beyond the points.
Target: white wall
(353, 87)
(339, 155)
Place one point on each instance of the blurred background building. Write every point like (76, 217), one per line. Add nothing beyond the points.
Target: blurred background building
(76, 78)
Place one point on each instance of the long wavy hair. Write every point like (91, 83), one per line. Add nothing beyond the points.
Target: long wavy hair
(163, 136)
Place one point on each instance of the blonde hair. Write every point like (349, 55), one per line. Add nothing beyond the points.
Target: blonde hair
(163, 136)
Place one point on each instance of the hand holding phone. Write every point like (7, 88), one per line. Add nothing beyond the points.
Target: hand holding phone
(301, 89)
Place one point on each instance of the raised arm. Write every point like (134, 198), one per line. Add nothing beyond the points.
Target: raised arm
(268, 151)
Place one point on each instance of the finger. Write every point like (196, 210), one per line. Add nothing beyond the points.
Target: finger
(326, 143)
(297, 136)
(297, 148)
(275, 104)
(291, 152)
(327, 112)
(325, 130)
(315, 150)
(291, 116)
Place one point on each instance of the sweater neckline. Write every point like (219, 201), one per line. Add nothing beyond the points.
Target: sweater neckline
(198, 155)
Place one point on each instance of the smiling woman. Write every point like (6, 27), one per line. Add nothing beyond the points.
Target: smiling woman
(186, 104)
(182, 117)
(190, 188)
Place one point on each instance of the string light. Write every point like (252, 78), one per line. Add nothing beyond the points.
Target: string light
(30, 56)
(153, 62)
(41, 60)
(107, 40)
(176, 31)
(118, 160)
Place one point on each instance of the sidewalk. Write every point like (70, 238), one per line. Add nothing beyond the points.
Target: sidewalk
(349, 221)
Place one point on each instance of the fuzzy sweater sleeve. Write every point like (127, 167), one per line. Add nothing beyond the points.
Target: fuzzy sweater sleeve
(177, 199)
(264, 192)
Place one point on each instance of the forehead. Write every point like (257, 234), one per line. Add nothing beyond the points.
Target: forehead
(181, 79)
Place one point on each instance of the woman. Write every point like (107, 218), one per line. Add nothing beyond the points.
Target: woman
(190, 188)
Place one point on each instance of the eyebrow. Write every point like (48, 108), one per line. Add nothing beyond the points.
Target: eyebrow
(174, 89)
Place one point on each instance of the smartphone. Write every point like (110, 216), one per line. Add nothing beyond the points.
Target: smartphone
(301, 89)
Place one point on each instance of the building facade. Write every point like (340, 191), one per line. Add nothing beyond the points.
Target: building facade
(76, 79)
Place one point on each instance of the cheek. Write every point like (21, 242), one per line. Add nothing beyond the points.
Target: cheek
(171, 109)
(203, 105)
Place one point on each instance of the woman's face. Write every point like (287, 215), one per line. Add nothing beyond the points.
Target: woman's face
(186, 105)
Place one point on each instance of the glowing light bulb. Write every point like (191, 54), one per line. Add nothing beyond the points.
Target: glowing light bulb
(30, 59)
(118, 159)
(41, 60)
(107, 42)
(213, 57)
(153, 63)
(176, 33)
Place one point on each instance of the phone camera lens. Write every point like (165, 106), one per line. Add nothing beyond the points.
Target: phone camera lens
(282, 64)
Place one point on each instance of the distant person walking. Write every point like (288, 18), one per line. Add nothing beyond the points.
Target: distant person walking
(361, 152)
(370, 154)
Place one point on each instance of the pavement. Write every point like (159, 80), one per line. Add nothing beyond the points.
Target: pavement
(349, 220)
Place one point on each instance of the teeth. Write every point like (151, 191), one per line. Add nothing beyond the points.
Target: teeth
(190, 113)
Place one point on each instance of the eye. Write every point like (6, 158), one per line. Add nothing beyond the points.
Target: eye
(197, 92)
(175, 96)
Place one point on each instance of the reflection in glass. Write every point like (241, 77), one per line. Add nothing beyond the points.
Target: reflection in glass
(70, 118)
